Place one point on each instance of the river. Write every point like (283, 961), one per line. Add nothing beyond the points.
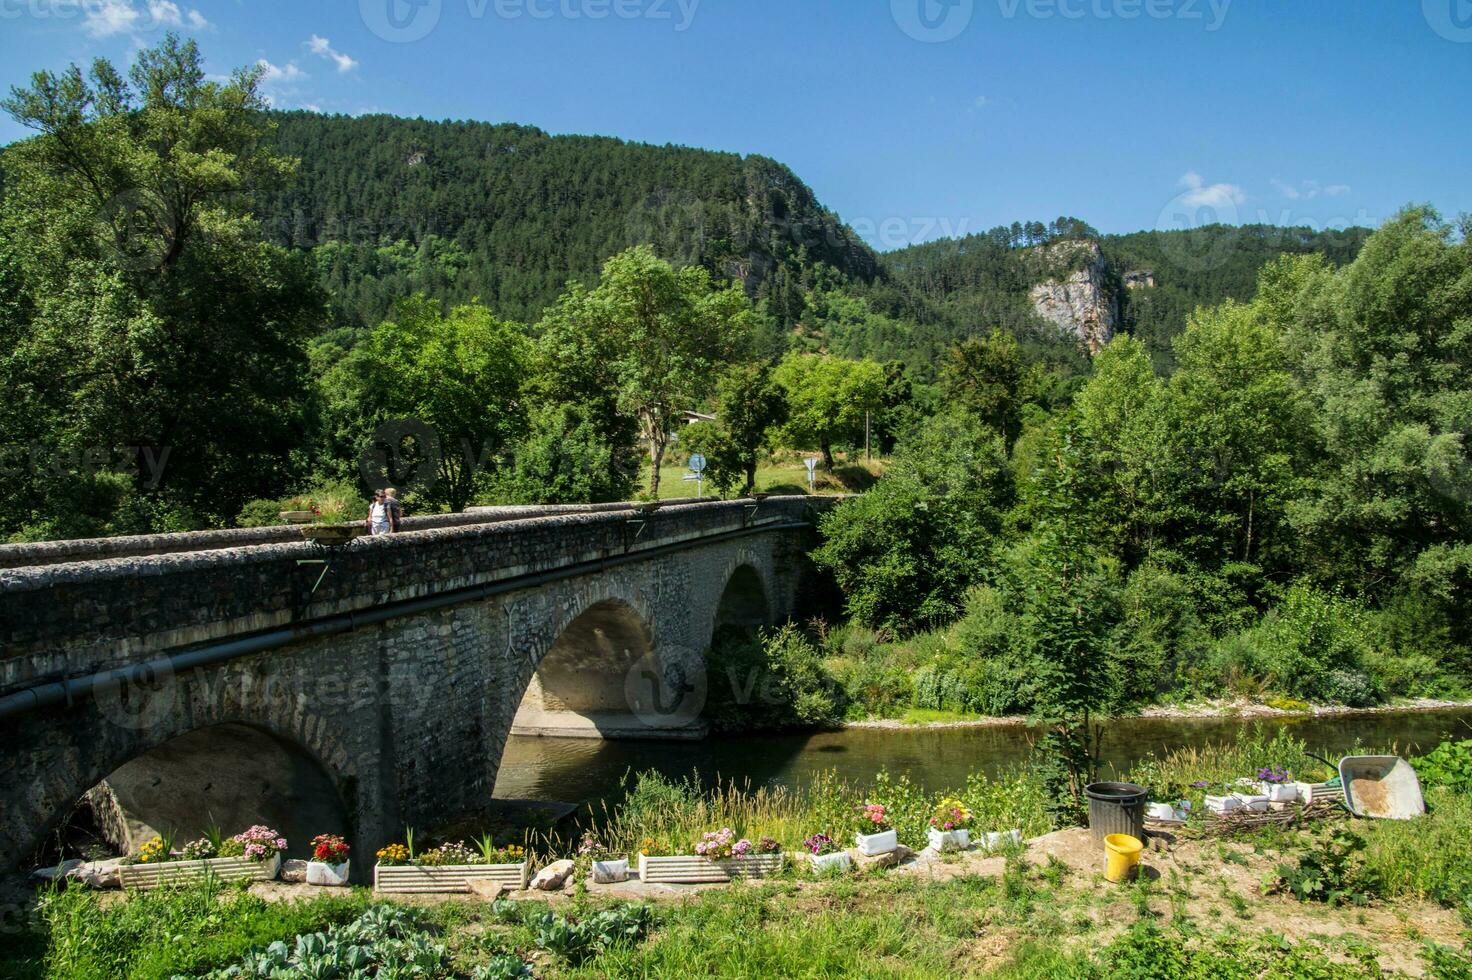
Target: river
(583, 770)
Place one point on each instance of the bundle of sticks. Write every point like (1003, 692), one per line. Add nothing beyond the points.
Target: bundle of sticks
(1291, 815)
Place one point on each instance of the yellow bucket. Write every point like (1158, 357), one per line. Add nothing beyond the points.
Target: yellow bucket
(1122, 856)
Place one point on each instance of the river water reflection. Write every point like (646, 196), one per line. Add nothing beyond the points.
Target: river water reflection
(581, 771)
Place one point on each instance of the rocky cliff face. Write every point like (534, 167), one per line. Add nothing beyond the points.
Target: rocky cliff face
(1076, 296)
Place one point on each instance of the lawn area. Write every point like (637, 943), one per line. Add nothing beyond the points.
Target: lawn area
(784, 473)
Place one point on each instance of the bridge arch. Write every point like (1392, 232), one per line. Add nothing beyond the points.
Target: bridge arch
(205, 753)
(586, 682)
(745, 603)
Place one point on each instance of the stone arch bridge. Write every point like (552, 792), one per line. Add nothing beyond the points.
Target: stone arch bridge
(198, 679)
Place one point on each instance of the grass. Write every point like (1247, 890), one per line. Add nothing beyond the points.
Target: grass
(785, 473)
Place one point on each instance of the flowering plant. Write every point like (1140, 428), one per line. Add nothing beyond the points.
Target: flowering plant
(722, 845)
(592, 849)
(200, 850)
(873, 818)
(393, 854)
(820, 844)
(448, 854)
(1272, 774)
(330, 847)
(260, 843)
(950, 814)
(510, 854)
(649, 847)
(153, 851)
(768, 846)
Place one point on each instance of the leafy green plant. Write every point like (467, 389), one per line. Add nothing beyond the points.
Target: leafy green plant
(1449, 765)
(1331, 870)
(577, 940)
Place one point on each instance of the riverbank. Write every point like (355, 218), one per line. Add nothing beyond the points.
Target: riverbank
(1237, 708)
(1331, 897)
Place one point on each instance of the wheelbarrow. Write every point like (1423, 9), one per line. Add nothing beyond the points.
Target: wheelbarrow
(1381, 786)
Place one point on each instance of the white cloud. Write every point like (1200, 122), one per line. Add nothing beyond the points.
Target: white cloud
(1308, 189)
(1200, 194)
(982, 102)
(104, 18)
(109, 17)
(280, 74)
(322, 47)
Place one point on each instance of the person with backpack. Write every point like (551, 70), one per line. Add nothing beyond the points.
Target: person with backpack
(395, 510)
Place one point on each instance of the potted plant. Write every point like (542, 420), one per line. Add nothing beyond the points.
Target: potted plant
(719, 857)
(253, 854)
(948, 826)
(329, 864)
(608, 868)
(1277, 785)
(1001, 838)
(875, 835)
(449, 868)
(825, 854)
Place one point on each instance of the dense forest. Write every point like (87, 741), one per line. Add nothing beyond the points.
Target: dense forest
(210, 313)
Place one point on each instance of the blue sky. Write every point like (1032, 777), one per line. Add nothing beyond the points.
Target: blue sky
(913, 119)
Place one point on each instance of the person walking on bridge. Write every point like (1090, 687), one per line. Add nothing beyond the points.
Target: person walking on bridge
(380, 515)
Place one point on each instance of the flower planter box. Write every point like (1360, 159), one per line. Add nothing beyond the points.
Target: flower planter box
(608, 872)
(949, 840)
(1279, 792)
(449, 879)
(828, 862)
(692, 869)
(144, 876)
(1001, 838)
(328, 874)
(1222, 804)
(872, 845)
(1252, 801)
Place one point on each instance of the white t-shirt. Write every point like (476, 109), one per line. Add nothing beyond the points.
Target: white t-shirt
(378, 517)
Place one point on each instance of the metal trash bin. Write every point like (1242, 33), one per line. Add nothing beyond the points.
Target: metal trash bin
(1116, 808)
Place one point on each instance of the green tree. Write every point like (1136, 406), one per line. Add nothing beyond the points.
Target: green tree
(459, 374)
(663, 331)
(827, 399)
(1383, 351)
(984, 376)
(749, 405)
(149, 313)
(565, 458)
(905, 553)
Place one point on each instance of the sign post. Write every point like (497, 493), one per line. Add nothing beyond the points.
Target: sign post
(697, 466)
(811, 462)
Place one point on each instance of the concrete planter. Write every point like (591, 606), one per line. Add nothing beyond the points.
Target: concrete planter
(328, 874)
(449, 879)
(1001, 838)
(828, 862)
(141, 877)
(1279, 792)
(692, 869)
(1256, 802)
(873, 845)
(608, 872)
(1222, 804)
(949, 840)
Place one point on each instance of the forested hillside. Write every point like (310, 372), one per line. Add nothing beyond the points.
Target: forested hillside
(509, 214)
(983, 280)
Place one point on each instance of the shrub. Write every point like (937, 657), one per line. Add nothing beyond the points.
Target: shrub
(1448, 766)
(1332, 869)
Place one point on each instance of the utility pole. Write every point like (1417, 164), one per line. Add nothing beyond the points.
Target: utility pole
(868, 453)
